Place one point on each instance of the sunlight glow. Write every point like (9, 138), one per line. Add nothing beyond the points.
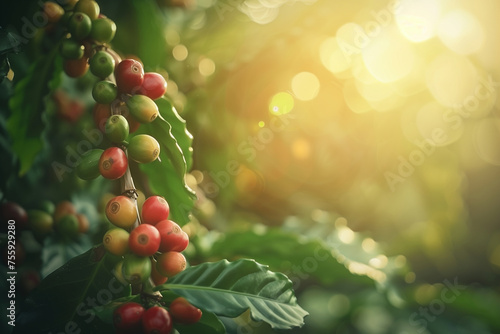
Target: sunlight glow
(332, 56)
(461, 32)
(206, 67)
(305, 86)
(180, 52)
(346, 235)
(417, 20)
(451, 79)
(389, 56)
(281, 103)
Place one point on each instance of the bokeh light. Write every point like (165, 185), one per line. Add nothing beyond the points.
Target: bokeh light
(305, 86)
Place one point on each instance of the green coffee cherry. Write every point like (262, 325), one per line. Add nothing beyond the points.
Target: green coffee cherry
(143, 149)
(136, 269)
(79, 25)
(102, 64)
(40, 222)
(116, 129)
(104, 92)
(71, 49)
(142, 108)
(67, 226)
(88, 7)
(103, 30)
(88, 168)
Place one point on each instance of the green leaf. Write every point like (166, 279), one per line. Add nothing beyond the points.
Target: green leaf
(166, 177)
(25, 124)
(179, 131)
(230, 288)
(208, 324)
(57, 252)
(298, 257)
(151, 44)
(63, 301)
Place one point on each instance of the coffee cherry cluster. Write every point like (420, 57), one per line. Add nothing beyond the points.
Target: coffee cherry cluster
(151, 249)
(61, 218)
(87, 31)
(134, 318)
(128, 93)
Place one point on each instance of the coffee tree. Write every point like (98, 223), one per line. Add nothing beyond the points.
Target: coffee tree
(137, 278)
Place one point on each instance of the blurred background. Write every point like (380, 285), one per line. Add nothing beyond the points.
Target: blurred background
(371, 126)
(385, 113)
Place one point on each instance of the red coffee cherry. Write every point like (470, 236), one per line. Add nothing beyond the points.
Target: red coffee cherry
(154, 85)
(183, 312)
(156, 320)
(113, 163)
(76, 68)
(129, 76)
(171, 263)
(101, 113)
(172, 237)
(154, 210)
(13, 211)
(158, 279)
(128, 317)
(144, 240)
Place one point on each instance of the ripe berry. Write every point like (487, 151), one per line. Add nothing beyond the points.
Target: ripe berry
(144, 240)
(172, 237)
(75, 68)
(104, 92)
(154, 85)
(171, 263)
(183, 312)
(136, 269)
(113, 163)
(121, 211)
(142, 108)
(116, 129)
(143, 149)
(102, 64)
(103, 30)
(88, 168)
(156, 320)
(129, 76)
(88, 7)
(101, 113)
(116, 241)
(13, 211)
(79, 25)
(158, 279)
(128, 317)
(154, 210)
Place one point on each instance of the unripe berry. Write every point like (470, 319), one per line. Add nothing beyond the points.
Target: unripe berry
(116, 241)
(121, 211)
(143, 149)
